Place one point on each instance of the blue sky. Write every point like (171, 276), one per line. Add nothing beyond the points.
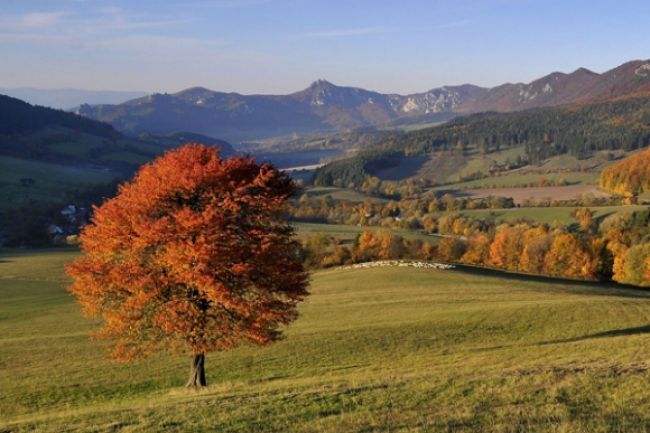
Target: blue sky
(279, 46)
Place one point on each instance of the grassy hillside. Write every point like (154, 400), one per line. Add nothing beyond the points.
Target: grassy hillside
(375, 350)
(51, 181)
(341, 194)
(516, 179)
(47, 155)
(47, 135)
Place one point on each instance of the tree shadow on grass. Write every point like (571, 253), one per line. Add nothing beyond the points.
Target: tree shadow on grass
(611, 333)
(599, 219)
(592, 288)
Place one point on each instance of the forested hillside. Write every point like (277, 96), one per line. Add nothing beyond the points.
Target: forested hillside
(577, 130)
(17, 116)
(47, 135)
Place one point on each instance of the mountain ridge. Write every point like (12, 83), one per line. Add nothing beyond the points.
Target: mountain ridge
(324, 106)
(67, 98)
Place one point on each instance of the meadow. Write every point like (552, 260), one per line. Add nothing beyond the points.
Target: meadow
(341, 194)
(375, 350)
(549, 193)
(548, 215)
(516, 180)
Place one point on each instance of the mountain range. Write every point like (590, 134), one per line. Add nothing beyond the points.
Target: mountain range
(325, 107)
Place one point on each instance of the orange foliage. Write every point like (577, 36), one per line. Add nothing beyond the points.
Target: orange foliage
(505, 251)
(478, 250)
(628, 177)
(537, 241)
(567, 258)
(585, 219)
(192, 254)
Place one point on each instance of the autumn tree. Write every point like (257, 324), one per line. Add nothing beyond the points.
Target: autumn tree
(478, 250)
(628, 177)
(505, 251)
(585, 219)
(567, 258)
(451, 249)
(636, 268)
(537, 241)
(193, 255)
(366, 248)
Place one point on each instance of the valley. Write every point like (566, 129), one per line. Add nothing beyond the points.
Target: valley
(270, 216)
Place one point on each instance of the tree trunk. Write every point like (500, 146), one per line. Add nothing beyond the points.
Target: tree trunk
(197, 372)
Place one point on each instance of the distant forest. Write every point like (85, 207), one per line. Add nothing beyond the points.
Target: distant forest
(17, 117)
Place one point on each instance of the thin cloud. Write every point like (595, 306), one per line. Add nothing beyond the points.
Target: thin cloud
(337, 33)
(41, 19)
(115, 18)
(35, 21)
(453, 24)
(64, 27)
(229, 3)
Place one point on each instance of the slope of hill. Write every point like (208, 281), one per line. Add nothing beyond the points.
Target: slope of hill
(578, 130)
(17, 116)
(554, 89)
(34, 132)
(324, 106)
(478, 352)
(47, 153)
(67, 99)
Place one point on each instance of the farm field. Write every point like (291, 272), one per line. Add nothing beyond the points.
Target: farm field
(375, 350)
(341, 194)
(547, 215)
(538, 193)
(347, 233)
(515, 180)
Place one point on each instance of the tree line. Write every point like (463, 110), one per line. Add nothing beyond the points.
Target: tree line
(619, 251)
(628, 177)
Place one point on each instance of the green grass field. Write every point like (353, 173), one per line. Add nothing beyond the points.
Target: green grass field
(547, 215)
(375, 350)
(514, 180)
(341, 194)
(52, 181)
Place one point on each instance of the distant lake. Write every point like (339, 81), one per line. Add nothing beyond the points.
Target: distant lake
(298, 159)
